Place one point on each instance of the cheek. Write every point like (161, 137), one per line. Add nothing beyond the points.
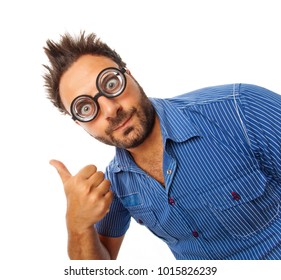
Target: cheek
(132, 87)
(131, 98)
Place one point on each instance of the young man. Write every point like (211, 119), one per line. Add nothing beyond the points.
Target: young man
(202, 171)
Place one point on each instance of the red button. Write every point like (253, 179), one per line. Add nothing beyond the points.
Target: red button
(171, 201)
(235, 196)
(195, 233)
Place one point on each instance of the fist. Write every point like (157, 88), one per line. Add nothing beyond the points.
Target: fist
(88, 195)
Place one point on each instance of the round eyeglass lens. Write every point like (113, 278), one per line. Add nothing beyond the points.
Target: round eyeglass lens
(111, 82)
(84, 108)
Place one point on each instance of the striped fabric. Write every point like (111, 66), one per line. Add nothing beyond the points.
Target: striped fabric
(222, 166)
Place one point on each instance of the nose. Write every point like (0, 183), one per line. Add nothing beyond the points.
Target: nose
(108, 107)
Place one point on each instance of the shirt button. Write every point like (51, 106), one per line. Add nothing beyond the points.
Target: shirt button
(171, 201)
(235, 196)
(195, 233)
(140, 221)
(169, 171)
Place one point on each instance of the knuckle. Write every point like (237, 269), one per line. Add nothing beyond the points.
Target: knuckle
(99, 174)
(80, 185)
(94, 198)
(91, 167)
(87, 171)
(97, 178)
(105, 185)
(107, 182)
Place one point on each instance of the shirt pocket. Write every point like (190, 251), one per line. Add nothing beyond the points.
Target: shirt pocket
(149, 219)
(243, 204)
(144, 216)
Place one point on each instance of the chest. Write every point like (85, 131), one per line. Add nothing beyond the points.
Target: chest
(153, 166)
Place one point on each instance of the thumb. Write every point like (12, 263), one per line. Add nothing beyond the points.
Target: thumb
(61, 169)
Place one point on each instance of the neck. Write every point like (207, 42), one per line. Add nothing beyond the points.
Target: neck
(152, 144)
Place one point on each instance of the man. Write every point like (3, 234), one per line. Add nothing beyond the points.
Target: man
(202, 171)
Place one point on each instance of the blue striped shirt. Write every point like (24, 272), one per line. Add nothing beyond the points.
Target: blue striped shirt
(222, 168)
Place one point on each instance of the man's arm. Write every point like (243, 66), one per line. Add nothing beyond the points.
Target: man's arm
(88, 245)
(88, 200)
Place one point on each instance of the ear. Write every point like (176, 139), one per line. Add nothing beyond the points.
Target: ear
(128, 72)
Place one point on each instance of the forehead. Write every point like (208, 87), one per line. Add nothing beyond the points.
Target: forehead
(80, 77)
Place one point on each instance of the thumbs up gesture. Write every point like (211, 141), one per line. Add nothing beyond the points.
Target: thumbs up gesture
(88, 196)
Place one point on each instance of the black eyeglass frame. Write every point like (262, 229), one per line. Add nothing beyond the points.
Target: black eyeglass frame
(101, 92)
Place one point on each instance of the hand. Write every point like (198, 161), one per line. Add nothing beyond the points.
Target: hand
(88, 196)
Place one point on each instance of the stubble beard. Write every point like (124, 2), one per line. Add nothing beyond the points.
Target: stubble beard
(134, 135)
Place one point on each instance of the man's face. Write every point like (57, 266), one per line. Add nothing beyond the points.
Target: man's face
(124, 121)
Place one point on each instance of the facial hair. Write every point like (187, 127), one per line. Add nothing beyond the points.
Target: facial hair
(134, 135)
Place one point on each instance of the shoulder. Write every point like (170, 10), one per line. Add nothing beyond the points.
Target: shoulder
(113, 167)
(205, 95)
(225, 93)
(257, 94)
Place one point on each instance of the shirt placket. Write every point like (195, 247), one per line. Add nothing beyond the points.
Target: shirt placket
(170, 168)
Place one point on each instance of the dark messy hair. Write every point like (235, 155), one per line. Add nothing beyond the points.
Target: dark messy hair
(64, 53)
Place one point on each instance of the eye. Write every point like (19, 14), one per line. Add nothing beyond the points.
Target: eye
(111, 84)
(85, 107)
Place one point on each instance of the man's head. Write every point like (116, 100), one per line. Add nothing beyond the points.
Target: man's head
(123, 121)
(64, 53)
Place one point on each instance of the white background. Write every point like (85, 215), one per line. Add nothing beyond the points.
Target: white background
(171, 47)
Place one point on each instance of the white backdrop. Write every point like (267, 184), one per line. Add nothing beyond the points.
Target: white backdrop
(171, 47)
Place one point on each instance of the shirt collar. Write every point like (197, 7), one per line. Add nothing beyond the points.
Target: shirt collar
(175, 125)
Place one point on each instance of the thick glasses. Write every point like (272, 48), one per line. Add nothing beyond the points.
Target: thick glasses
(110, 83)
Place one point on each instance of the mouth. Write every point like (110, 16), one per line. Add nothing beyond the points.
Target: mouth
(124, 123)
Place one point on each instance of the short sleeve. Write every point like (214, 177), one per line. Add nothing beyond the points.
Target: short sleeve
(117, 220)
(262, 111)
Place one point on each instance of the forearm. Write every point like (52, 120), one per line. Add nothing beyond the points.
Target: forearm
(86, 245)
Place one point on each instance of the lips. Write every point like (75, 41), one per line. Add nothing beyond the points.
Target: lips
(121, 121)
(123, 124)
